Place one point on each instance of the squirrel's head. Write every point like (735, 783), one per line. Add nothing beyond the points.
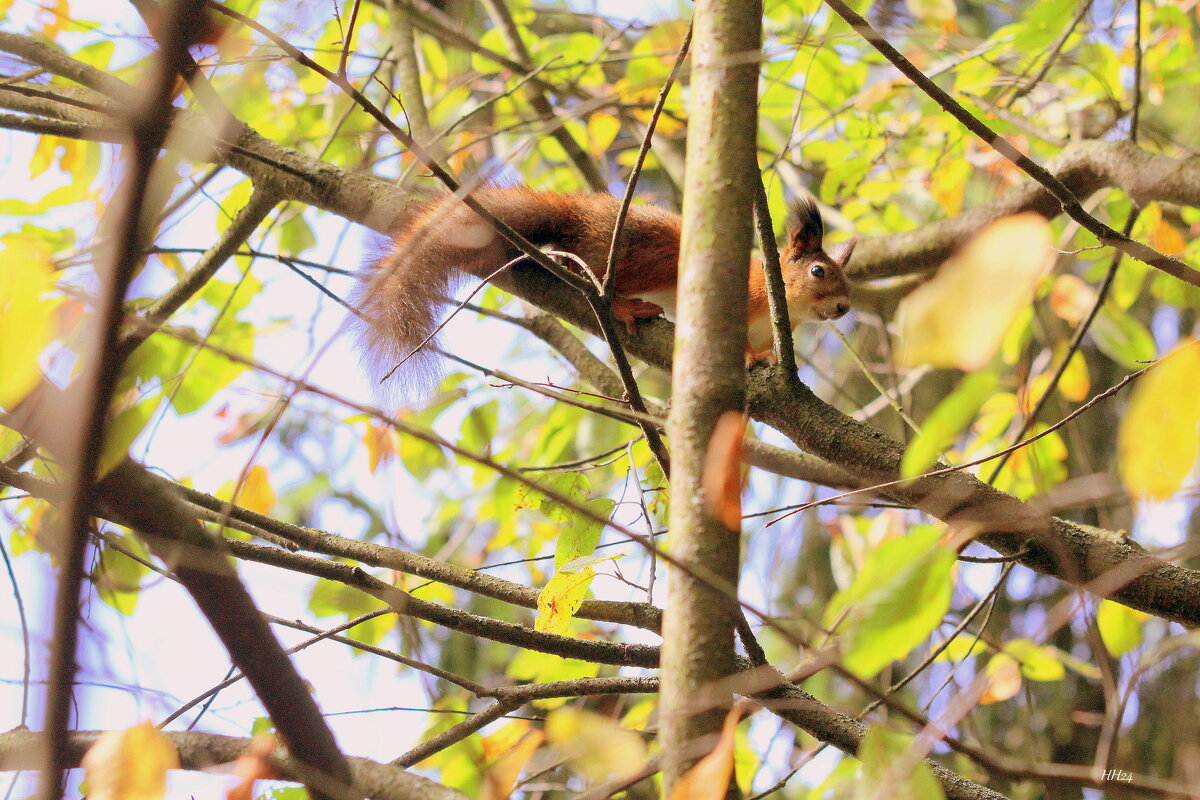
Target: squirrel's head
(816, 282)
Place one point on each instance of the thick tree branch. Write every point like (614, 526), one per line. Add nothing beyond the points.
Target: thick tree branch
(1084, 167)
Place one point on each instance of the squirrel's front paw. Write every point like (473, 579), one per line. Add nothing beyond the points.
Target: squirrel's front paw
(630, 309)
(767, 357)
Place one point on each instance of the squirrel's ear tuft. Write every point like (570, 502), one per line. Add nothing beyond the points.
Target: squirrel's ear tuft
(805, 229)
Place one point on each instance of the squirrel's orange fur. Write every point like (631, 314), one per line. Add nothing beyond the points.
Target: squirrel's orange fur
(401, 296)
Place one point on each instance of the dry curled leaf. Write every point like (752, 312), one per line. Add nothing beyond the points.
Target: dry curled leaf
(723, 470)
(709, 778)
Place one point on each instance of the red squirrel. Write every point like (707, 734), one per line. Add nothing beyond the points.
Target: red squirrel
(400, 298)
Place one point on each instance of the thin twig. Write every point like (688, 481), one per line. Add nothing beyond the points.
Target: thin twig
(1052, 56)
(1135, 113)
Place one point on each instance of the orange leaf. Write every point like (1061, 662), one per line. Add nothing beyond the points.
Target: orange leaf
(709, 778)
(722, 479)
(1004, 679)
(1167, 240)
(1071, 299)
(501, 776)
(251, 766)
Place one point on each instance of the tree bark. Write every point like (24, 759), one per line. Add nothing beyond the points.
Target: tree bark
(709, 379)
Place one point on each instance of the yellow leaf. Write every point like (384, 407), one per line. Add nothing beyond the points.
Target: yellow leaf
(1120, 627)
(1071, 299)
(1075, 382)
(509, 749)
(26, 318)
(948, 183)
(934, 13)
(1160, 431)
(130, 765)
(595, 745)
(43, 155)
(959, 317)
(1167, 240)
(257, 494)
(560, 599)
(602, 130)
(382, 444)
(1004, 679)
(709, 778)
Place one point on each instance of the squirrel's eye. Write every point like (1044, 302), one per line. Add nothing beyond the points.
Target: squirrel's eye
(817, 272)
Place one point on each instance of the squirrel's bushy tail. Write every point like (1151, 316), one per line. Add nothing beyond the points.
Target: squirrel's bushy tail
(400, 296)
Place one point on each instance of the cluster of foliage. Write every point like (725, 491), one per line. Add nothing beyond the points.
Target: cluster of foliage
(487, 501)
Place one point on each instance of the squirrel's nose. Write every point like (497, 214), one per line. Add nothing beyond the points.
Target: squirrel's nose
(842, 308)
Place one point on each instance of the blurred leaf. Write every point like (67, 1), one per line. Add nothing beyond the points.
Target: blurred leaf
(1165, 239)
(1038, 662)
(596, 746)
(1071, 299)
(709, 778)
(891, 770)
(947, 421)
(1159, 436)
(122, 432)
(509, 750)
(1120, 627)
(896, 600)
(1122, 338)
(934, 13)
(295, 236)
(129, 764)
(26, 318)
(602, 130)
(118, 577)
(959, 317)
(1004, 679)
(257, 494)
(1075, 382)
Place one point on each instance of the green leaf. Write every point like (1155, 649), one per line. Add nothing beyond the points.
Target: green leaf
(295, 236)
(209, 372)
(895, 601)
(331, 599)
(123, 430)
(118, 577)
(891, 768)
(1038, 662)
(479, 428)
(231, 297)
(1122, 338)
(947, 422)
